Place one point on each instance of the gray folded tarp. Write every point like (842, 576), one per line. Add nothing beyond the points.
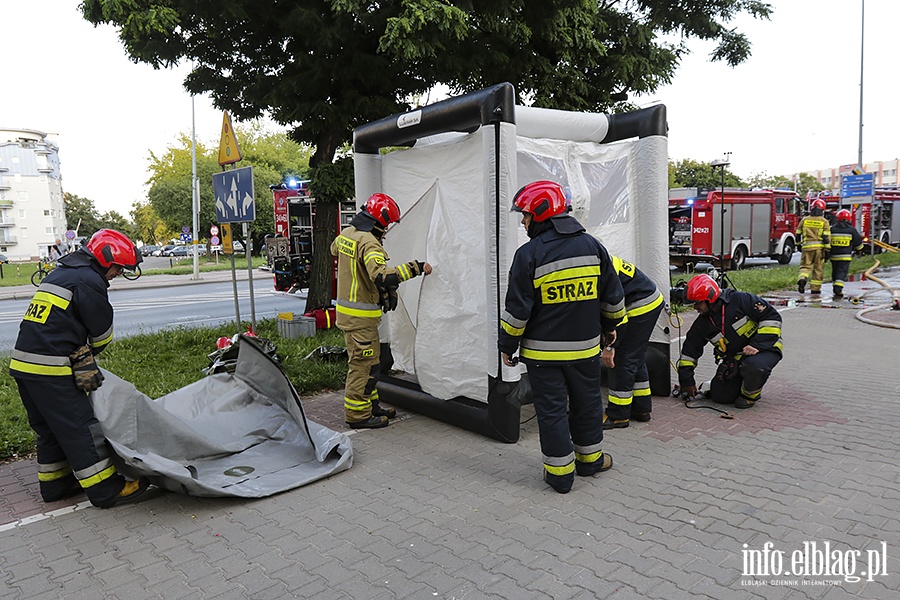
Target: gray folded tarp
(230, 434)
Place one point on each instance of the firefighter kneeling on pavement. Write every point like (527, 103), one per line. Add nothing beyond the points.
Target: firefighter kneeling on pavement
(745, 331)
(69, 321)
(366, 288)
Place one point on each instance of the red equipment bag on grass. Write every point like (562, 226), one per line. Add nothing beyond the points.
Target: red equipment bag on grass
(324, 317)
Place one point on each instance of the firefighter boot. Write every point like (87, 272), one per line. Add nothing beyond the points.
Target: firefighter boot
(380, 411)
(372, 422)
(560, 483)
(801, 285)
(639, 416)
(590, 469)
(838, 292)
(743, 402)
(68, 486)
(614, 423)
(130, 493)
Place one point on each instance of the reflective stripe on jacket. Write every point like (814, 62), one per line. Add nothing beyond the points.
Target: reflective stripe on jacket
(814, 232)
(845, 239)
(361, 260)
(563, 294)
(735, 320)
(70, 309)
(641, 294)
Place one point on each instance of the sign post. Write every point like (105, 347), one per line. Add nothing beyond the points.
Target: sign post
(859, 187)
(235, 202)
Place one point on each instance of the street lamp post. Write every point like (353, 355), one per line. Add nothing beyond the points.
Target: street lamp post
(721, 163)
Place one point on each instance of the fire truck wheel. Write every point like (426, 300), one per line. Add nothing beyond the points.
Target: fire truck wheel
(786, 253)
(738, 258)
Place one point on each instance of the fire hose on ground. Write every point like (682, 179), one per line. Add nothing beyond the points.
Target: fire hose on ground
(894, 305)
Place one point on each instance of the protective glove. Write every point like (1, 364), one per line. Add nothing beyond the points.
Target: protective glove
(416, 267)
(827, 254)
(388, 298)
(85, 370)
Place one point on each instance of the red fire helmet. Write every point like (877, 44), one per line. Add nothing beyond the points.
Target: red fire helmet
(702, 287)
(383, 208)
(111, 247)
(543, 199)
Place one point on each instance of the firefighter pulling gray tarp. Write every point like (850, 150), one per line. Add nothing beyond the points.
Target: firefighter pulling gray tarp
(230, 434)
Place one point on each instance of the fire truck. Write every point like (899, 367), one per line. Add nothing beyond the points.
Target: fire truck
(877, 220)
(755, 223)
(289, 251)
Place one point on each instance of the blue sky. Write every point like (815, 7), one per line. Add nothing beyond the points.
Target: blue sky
(794, 106)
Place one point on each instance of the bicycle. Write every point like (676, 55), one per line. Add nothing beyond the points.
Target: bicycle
(43, 269)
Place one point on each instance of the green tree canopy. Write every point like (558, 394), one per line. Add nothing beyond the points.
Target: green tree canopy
(803, 182)
(148, 225)
(83, 217)
(690, 173)
(273, 156)
(323, 67)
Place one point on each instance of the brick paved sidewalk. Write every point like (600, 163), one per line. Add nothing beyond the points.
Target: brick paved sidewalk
(432, 511)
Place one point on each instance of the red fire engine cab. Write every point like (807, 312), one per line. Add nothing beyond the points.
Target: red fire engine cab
(877, 220)
(289, 251)
(755, 223)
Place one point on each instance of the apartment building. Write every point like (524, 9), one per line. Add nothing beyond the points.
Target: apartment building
(885, 174)
(32, 211)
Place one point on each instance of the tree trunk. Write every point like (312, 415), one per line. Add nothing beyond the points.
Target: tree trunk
(325, 228)
(321, 284)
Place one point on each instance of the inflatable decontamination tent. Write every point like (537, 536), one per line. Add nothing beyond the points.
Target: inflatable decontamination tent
(461, 162)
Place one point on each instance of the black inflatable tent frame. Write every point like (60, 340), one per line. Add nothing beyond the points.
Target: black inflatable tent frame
(498, 418)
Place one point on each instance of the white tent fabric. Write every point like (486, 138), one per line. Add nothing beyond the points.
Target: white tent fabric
(454, 191)
(446, 222)
(230, 434)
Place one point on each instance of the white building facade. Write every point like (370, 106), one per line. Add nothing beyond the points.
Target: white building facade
(32, 211)
(885, 173)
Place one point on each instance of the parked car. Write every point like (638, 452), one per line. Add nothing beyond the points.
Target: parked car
(164, 250)
(4, 259)
(182, 251)
(148, 250)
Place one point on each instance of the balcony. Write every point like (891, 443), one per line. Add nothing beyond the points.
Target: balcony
(7, 240)
(6, 222)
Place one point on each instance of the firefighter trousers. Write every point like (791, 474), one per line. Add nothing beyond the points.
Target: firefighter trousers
(839, 270)
(812, 263)
(629, 382)
(751, 375)
(576, 436)
(71, 447)
(363, 370)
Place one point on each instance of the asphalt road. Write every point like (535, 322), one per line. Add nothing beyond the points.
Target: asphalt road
(142, 309)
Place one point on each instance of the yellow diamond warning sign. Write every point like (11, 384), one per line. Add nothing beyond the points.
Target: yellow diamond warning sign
(229, 153)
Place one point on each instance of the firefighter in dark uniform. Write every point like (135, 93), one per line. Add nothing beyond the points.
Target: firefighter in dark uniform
(366, 288)
(563, 302)
(745, 332)
(69, 321)
(627, 378)
(845, 240)
(814, 235)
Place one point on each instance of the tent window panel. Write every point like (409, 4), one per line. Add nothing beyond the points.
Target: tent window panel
(608, 185)
(534, 167)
